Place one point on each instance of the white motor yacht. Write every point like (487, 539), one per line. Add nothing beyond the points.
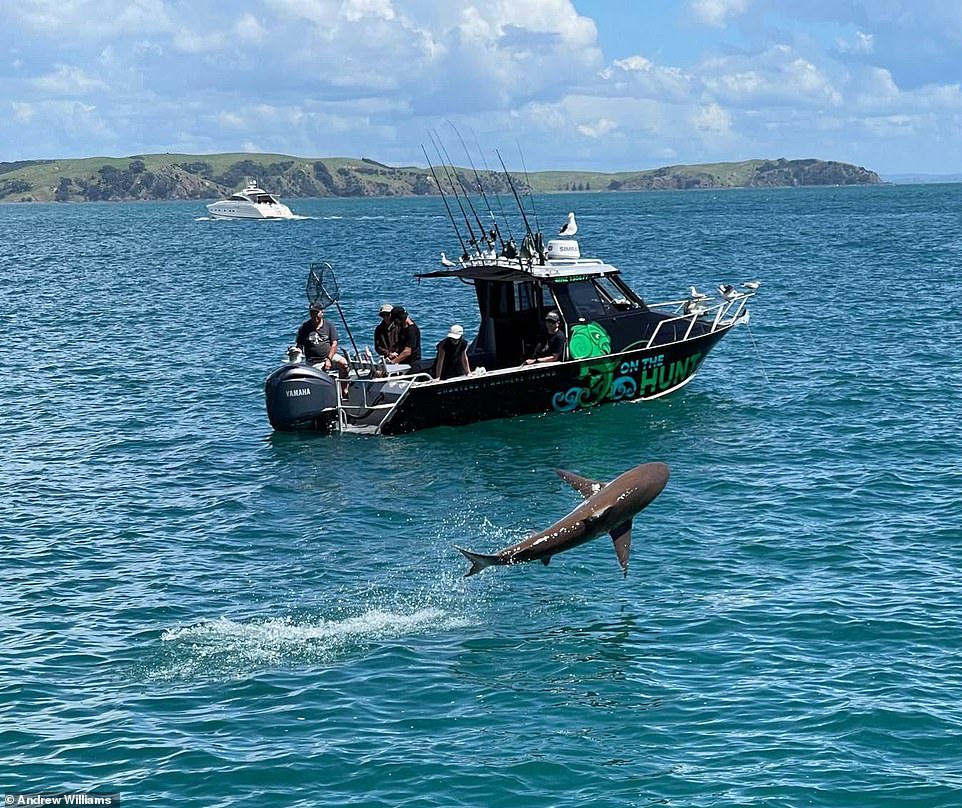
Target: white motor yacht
(251, 203)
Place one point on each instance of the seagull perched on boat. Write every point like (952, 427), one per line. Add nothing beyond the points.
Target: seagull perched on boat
(694, 294)
(753, 285)
(445, 261)
(727, 291)
(570, 227)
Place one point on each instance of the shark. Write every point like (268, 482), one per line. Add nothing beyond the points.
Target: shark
(607, 508)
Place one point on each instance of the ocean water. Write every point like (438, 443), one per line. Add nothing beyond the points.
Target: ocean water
(197, 611)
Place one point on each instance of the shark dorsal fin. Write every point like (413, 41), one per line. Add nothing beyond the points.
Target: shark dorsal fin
(582, 485)
(621, 536)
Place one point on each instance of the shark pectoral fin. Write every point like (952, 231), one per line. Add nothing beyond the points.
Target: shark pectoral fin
(621, 536)
(478, 561)
(582, 485)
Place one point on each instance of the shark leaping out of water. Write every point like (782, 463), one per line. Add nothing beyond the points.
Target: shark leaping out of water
(607, 508)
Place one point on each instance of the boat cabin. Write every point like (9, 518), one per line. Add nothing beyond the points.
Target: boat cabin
(514, 295)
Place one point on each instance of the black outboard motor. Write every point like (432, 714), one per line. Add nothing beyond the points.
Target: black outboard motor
(300, 396)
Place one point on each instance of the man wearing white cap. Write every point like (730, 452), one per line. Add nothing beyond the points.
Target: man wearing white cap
(452, 359)
(385, 337)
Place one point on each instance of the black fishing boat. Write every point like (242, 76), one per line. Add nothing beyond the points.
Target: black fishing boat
(618, 347)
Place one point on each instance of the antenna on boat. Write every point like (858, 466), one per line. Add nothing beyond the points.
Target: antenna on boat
(322, 290)
(473, 241)
(496, 232)
(454, 224)
(467, 197)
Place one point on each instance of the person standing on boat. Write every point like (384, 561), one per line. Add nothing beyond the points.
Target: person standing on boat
(317, 338)
(452, 358)
(385, 335)
(408, 350)
(552, 346)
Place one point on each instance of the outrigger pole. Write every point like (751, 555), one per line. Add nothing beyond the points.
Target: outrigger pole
(454, 224)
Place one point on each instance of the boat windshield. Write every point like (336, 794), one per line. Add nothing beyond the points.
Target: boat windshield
(597, 298)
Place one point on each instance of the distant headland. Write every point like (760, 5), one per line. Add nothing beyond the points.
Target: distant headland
(211, 176)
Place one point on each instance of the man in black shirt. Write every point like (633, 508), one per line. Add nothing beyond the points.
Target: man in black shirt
(408, 351)
(552, 347)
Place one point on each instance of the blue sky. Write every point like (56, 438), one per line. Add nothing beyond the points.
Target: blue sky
(608, 85)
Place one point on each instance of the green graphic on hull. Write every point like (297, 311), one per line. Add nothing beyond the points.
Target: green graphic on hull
(617, 380)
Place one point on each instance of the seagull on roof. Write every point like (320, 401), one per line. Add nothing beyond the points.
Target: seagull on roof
(445, 261)
(570, 227)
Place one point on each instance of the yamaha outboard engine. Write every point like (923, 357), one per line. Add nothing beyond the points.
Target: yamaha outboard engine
(300, 396)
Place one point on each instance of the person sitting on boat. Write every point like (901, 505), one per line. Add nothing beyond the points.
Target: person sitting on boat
(408, 350)
(385, 335)
(317, 338)
(452, 358)
(552, 347)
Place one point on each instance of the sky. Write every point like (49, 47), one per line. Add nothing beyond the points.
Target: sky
(594, 85)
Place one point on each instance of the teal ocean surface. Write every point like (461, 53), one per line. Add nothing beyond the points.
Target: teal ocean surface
(198, 611)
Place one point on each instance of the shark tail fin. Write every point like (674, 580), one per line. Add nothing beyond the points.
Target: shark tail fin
(478, 561)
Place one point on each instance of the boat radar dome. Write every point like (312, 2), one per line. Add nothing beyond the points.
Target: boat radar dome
(563, 248)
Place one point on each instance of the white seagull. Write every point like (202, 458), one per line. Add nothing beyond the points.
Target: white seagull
(727, 291)
(445, 261)
(753, 285)
(694, 294)
(570, 227)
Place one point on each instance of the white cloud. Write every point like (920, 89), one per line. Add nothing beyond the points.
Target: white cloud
(717, 12)
(725, 79)
(862, 43)
(67, 80)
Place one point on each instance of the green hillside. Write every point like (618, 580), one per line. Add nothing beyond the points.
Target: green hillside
(212, 176)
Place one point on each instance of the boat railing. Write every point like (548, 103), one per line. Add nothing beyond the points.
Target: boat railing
(374, 392)
(722, 314)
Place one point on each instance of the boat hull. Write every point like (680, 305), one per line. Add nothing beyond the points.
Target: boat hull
(249, 211)
(555, 387)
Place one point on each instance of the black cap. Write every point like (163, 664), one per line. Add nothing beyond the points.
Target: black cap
(553, 316)
(398, 313)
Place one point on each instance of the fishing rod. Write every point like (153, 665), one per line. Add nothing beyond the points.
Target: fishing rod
(454, 224)
(528, 183)
(477, 178)
(473, 241)
(484, 160)
(466, 195)
(517, 199)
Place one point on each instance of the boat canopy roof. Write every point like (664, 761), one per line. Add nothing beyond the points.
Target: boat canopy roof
(518, 270)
